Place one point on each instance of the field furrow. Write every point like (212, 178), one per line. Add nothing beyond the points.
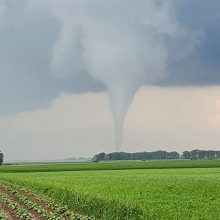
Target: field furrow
(40, 207)
(36, 212)
(13, 208)
(49, 205)
(5, 214)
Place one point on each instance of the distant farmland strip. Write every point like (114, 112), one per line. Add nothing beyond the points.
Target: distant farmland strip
(125, 165)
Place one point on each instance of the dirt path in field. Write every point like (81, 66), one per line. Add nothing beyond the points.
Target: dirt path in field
(34, 214)
(11, 215)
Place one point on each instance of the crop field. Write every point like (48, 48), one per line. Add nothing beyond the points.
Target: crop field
(120, 190)
(122, 165)
(18, 203)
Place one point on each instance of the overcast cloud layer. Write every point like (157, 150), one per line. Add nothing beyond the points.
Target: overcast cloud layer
(60, 60)
(28, 33)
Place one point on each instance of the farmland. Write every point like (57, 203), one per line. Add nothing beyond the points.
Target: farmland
(115, 165)
(120, 190)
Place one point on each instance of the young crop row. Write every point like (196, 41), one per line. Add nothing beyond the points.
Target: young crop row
(21, 213)
(35, 207)
(57, 208)
(53, 210)
(2, 215)
(97, 207)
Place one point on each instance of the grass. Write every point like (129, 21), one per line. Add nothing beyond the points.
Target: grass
(127, 190)
(125, 165)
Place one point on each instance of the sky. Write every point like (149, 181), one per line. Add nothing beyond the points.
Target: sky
(72, 72)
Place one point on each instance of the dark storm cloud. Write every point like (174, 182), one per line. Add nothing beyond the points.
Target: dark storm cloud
(202, 67)
(26, 81)
(25, 78)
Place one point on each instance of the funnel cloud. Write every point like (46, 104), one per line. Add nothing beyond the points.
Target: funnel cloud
(120, 44)
(78, 46)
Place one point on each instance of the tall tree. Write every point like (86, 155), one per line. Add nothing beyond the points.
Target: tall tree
(1, 158)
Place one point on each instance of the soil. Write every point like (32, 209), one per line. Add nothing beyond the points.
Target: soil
(34, 200)
(34, 214)
(11, 215)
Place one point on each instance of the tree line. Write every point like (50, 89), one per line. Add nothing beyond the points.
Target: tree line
(158, 155)
(201, 154)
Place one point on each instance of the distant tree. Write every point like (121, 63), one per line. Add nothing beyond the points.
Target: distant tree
(1, 158)
(194, 154)
(186, 155)
(99, 157)
(173, 155)
(201, 154)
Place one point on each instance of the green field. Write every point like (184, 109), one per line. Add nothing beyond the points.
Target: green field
(127, 190)
(115, 165)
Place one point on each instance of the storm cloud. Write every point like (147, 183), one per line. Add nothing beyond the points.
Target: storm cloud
(50, 49)
(28, 34)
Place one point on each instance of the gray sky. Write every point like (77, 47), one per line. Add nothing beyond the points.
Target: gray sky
(53, 89)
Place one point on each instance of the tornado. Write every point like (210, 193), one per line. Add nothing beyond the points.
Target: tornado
(120, 98)
(120, 44)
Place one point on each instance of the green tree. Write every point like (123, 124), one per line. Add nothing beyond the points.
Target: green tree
(186, 155)
(1, 158)
(99, 157)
